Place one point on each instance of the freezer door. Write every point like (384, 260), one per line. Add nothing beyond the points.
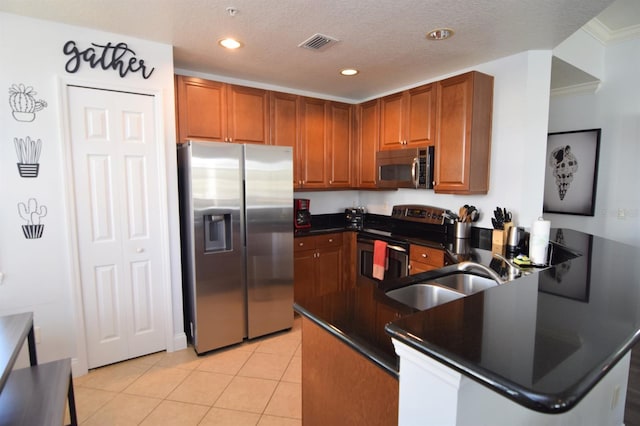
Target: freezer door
(269, 238)
(216, 190)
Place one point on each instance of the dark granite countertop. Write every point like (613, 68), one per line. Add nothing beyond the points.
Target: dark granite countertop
(543, 340)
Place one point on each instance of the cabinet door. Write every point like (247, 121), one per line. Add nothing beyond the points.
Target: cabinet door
(340, 122)
(368, 136)
(284, 127)
(463, 141)
(417, 267)
(248, 115)
(313, 143)
(304, 267)
(330, 267)
(421, 116)
(201, 109)
(391, 118)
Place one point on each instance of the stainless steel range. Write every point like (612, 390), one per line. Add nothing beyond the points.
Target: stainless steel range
(407, 221)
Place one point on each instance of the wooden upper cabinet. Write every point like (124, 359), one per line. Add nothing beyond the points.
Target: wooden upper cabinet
(285, 126)
(463, 140)
(407, 119)
(221, 112)
(340, 144)
(391, 121)
(313, 143)
(367, 143)
(201, 112)
(421, 116)
(248, 115)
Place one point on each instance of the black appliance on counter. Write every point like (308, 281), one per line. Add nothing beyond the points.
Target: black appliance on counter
(408, 221)
(354, 218)
(301, 213)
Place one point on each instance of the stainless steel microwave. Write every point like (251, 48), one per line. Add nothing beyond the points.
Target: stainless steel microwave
(405, 168)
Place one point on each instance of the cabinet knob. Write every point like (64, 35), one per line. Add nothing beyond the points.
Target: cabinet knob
(300, 244)
(330, 240)
(424, 255)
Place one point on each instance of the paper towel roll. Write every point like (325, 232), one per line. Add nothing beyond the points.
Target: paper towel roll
(538, 241)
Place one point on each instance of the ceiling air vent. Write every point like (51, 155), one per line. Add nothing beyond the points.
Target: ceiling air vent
(318, 42)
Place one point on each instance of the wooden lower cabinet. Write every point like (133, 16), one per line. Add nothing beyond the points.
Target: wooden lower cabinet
(422, 259)
(342, 387)
(319, 265)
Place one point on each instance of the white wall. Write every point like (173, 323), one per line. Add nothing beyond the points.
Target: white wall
(615, 108)
(520, 114)
(37, 273)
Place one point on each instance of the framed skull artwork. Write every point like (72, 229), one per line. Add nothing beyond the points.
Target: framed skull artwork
(571, 172)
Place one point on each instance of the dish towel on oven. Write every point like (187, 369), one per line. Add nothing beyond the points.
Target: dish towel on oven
(379, 259)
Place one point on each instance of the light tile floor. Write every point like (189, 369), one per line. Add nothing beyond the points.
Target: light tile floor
(257, 382)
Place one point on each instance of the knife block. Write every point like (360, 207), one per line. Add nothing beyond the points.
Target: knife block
(497, 241)
(499, 238)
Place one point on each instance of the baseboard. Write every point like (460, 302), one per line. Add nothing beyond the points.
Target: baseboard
(179, 342)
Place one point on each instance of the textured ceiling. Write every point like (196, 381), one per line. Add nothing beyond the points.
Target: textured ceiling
(384, 40)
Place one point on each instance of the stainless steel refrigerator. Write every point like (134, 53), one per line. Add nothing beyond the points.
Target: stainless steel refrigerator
(236, 212)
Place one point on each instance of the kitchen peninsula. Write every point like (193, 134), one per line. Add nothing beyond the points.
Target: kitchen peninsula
(551, 346)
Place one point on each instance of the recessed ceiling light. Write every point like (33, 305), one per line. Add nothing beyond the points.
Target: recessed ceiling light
(349, 71)
(229, 43)
(440, 34)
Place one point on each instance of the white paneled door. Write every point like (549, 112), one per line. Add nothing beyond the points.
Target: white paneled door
(114, 154)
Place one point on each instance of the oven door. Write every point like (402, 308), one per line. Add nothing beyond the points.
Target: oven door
(397, 261)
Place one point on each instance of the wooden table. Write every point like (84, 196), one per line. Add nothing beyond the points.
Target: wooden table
(35, 395)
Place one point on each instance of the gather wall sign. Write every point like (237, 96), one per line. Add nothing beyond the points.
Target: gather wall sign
(118, 57)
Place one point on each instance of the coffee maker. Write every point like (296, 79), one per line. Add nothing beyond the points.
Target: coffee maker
(301, 213)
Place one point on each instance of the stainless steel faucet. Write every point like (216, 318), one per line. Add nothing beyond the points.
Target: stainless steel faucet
(467, 265)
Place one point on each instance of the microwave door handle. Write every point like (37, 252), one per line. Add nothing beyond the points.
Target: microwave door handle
(414, 171)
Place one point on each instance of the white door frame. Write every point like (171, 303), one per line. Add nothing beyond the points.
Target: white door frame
(79, 364)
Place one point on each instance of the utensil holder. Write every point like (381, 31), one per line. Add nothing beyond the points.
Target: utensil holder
(462, 230)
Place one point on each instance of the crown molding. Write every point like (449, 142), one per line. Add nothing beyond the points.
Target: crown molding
(598, 30)
(577, 89)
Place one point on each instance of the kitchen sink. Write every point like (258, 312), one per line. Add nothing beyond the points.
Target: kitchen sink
(466, 283)
(423, 296)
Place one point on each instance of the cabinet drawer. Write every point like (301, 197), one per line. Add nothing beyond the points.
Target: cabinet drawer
(428, 255)
(317, 242)
(329, 240)
(304, 243)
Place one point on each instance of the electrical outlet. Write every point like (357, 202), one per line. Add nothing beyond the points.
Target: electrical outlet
(622, 214)
(36, 332)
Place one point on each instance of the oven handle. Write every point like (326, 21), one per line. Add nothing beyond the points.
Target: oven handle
(396, 248)
(414, 172)
(389, 246)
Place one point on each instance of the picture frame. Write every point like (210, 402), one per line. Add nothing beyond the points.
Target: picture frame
(571, 172)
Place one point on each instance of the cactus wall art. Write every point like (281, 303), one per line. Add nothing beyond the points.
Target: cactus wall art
(31, 213)
(23, 103)
(28, 152)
